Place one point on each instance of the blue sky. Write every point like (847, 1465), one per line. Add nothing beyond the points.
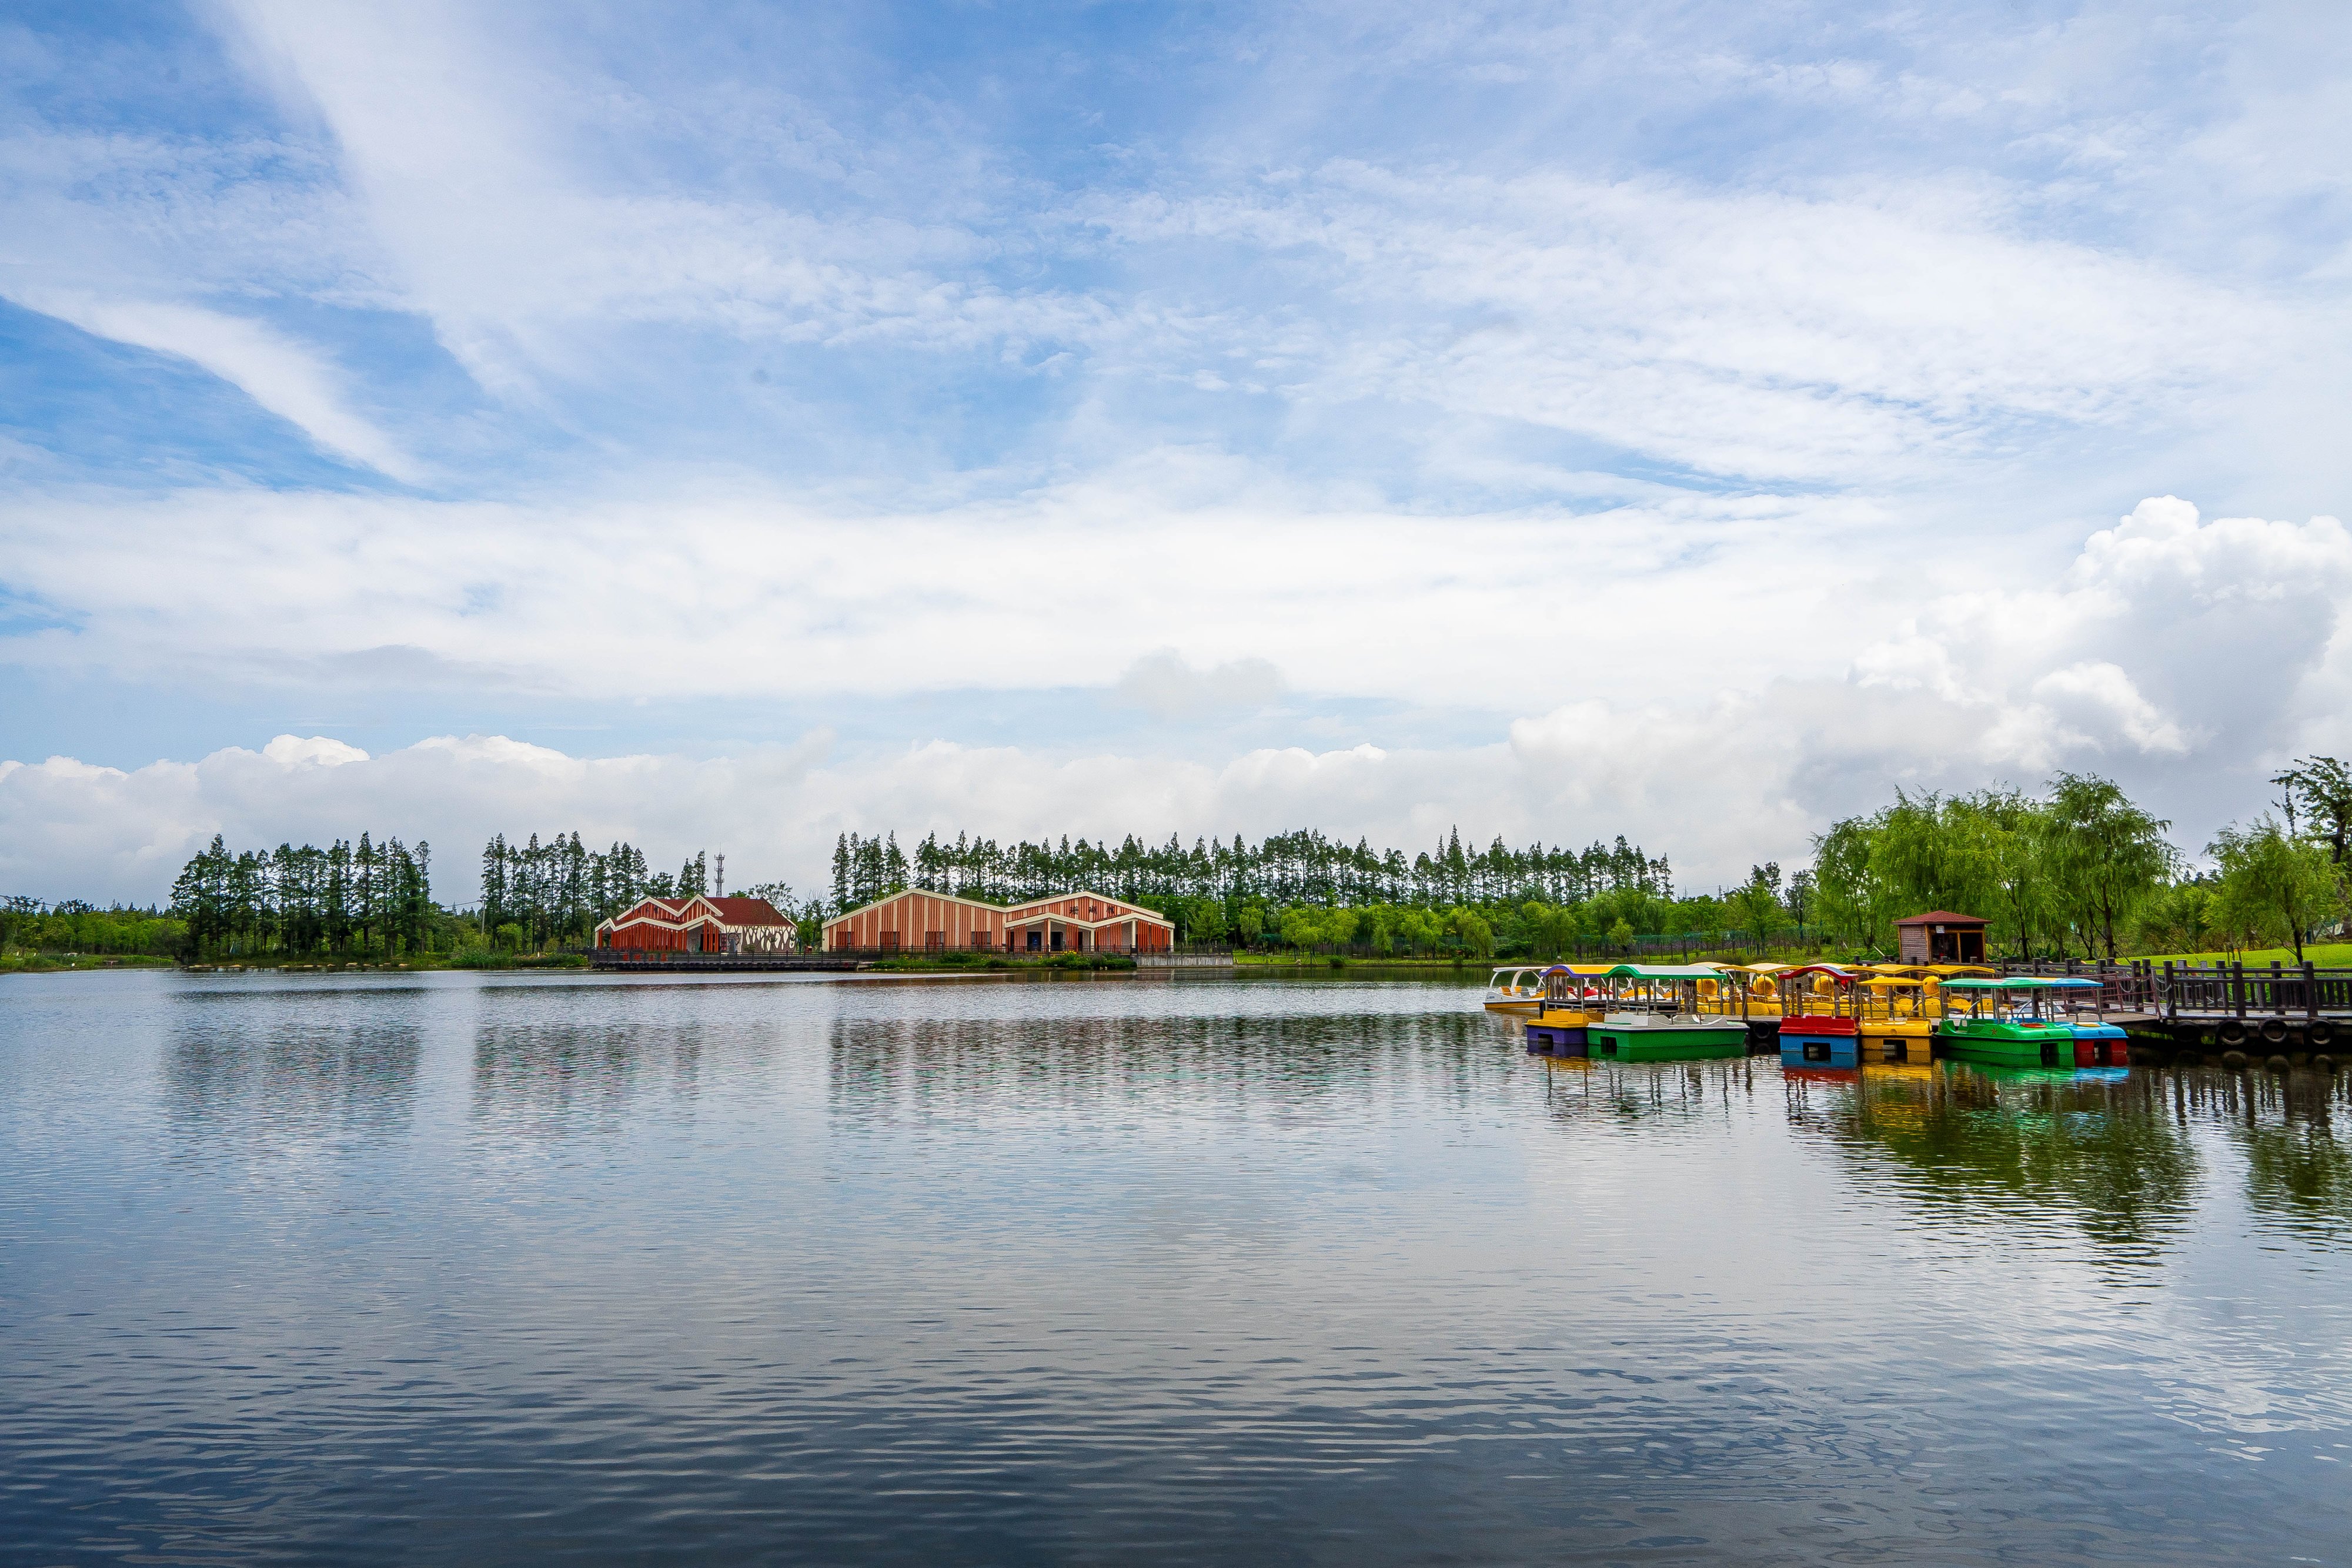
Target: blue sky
(1557, 420)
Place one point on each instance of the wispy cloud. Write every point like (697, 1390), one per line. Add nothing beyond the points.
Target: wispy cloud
(282, 376)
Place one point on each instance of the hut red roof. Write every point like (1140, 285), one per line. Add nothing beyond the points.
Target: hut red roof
(1942, 917)
(748, 912)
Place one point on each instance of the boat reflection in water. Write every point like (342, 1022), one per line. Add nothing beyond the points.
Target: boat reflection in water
(2101, 1149)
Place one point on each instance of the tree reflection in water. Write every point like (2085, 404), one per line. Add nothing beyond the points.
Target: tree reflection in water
(2107, 1154)
(250, 1074)
(2298, 1175)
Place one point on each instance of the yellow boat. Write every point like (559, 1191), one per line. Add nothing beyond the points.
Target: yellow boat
(1517, 988)
(1745, 991)
(1898, 1015)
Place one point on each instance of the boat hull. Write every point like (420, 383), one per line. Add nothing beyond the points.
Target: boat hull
(1560, 1031)
(1910, 1041)
(1801, 1049)
(2010, 1044)
(1706, 1042)
(1819, 1039)
(2101, 1045)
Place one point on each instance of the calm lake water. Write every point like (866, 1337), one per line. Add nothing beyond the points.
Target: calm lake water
(379, 1268)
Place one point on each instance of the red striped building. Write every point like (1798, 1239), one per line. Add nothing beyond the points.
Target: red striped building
(700, 924)
(939, 922)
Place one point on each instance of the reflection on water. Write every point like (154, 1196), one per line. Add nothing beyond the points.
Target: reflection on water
(558, 1080)
(280, 1073)
(1279, 1065)
(1590, 1092)
(1985, 1147)
(463, 1268)
(2298, 1175)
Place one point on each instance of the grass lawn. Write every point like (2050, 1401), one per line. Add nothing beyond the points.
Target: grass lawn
(45, 963)
(2326, 955)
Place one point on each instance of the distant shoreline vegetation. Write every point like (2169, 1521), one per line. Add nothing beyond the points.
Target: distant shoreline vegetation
(2077, 871)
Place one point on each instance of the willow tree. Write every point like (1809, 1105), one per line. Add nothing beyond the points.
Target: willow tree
(2318, 791)
(2105, 855)
(2274, 884)
(2008, 829)
(1850, 890)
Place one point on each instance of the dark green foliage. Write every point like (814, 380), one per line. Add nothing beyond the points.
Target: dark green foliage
(558, 891)
(33, 926)
(371, 898)
(1286, 869)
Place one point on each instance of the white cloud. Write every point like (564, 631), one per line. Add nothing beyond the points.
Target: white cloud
(1873, 334)
(467, 135)
(1165, 685)
(2164, 637)
(317, 751)
(289, 380)
(760, 595)
(1720, 704)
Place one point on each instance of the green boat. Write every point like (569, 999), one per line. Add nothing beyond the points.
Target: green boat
(1665, 1036)
(1653, 1012)
(1993, 1031)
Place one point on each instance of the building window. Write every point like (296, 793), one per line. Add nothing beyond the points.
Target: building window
(934, 940)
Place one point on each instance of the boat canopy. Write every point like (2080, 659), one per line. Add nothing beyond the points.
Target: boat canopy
(1664, 971)
(1845, 975)
(2013, 983)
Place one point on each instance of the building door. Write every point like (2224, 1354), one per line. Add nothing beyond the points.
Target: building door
(1058, 939)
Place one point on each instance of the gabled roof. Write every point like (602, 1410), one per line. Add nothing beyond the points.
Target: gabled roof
(730, 911)
(915, 892)
(1128, 910)
(748, 912)
(1027, 909)
(1943, 917)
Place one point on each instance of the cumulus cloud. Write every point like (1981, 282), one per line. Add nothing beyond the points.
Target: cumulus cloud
(2165, 636)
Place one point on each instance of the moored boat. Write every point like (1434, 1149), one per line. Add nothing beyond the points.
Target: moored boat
(2004, 1024)
(1662, 1037)
(2097, 1043)
(1900, 1006)
(1651, 1012)
(1821, 1016)
(1571, 1007)
(1515, 989)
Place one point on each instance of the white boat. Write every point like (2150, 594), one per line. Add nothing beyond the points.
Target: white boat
(1517, 988)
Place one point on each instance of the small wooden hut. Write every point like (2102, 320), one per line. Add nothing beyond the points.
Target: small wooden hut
(1940, 937)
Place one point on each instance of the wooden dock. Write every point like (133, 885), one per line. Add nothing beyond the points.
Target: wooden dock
(2263, 1011)
(643, 961)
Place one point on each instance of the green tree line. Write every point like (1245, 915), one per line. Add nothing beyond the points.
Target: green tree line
(1310, 891)
(32, 924)
(1282, 870)
(2076, 870)
(2082, 871)
(370, 898)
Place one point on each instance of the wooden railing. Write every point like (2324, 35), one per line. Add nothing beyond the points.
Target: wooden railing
(2208, 991)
